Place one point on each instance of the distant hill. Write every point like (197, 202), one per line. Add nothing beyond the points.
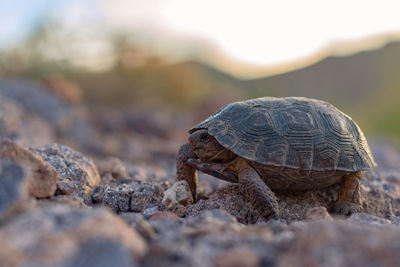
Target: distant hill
(365, 85)
(179, 86)
(347, 80)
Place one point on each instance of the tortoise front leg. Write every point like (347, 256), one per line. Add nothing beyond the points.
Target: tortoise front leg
(349, 200)
(257, 192)
(186, 172)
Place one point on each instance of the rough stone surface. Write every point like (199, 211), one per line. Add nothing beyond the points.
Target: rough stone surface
(42, 176)
(58, 235)
(77, 174)
(128, 195)
(13, 188)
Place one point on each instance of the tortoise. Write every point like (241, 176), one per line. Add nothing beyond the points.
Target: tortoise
(279, 144)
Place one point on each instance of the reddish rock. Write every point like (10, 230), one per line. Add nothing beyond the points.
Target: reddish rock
(63, 88)
(238, 257)
(165, 215)
(43, 177)
(318, 213)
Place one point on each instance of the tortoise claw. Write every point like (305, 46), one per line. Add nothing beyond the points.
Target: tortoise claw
(346, 208)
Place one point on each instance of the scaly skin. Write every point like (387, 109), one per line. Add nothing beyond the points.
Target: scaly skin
(349, 200)
(257, 192)
(186, 172)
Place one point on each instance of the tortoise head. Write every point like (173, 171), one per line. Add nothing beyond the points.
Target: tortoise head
(206, 147)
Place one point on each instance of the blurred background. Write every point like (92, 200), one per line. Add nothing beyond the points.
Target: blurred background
(154, 67)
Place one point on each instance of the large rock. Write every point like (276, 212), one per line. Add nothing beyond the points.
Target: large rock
(60, 236)
(129, 195)
(124, 190)
(43, 178)
(13, 188)
(77, 174)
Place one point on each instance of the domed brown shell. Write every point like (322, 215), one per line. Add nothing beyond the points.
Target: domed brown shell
(293, 132)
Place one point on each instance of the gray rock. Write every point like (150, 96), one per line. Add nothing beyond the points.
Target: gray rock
(128, 195)
(13, 188)
(77, 174)
(146, 195)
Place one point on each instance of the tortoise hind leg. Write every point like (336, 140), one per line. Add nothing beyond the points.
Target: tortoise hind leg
(349, 200)
(257, 192)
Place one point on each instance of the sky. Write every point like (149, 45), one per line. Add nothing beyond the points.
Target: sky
(17, 17)
(256, 32)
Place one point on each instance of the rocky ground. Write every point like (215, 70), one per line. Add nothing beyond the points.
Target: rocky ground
(79, 187)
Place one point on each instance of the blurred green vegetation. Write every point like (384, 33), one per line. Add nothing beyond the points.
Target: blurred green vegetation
(365, 85)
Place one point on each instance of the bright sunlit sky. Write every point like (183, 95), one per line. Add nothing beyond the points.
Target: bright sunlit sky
(252, 31)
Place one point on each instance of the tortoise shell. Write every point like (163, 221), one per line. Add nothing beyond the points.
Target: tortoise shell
(292, 132)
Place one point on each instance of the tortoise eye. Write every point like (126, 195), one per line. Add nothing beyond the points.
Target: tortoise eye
(204, 136)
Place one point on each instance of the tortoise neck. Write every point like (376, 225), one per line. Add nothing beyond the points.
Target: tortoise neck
(223, 156)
